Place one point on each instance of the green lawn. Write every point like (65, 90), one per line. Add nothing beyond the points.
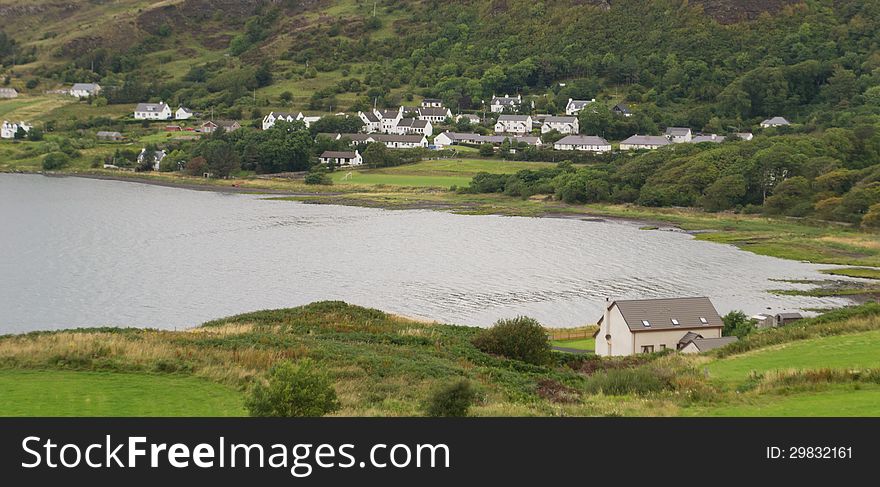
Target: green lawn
(863, 272)
(587, 344)
(857, 350)
(437, 173)
(65, 393)
(362, 177)
(842, 400)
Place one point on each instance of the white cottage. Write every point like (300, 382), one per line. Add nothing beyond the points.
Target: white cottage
(649, 142)
(9, 129)
(152, 111)
(775, 122)
(589, 143)
(563, 125)
(513, 124)
(414, 126)
(628, 327)
(678, 135)
(85, 90)
(575, 106)
(341, 158)
(395, 141)
(183, 113)
(505, 103)
(270, 119)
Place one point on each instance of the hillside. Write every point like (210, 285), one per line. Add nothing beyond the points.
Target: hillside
(383, 365)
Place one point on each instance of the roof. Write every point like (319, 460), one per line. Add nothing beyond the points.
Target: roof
(150, 107)
(398, 138)
(389, 113)
(677, 131)
(513, 118)
(339, 154)
(433, 112)
(461, 136)
(357, 137)
(370, 116)
(85, 86)
(104, 133)
(468, 115)
(185, 109)
(708, 138)
(706, 344)
(431, 100)
(412, 122)
(582, 140)
(689, 337)
(226, 123)
(506, 100)
(776, 121)
(646, 140)
(579, 103)
(621, 107)
(283, 115)
(660, 313)
(497, 139)
(562, 119)
(790, 315)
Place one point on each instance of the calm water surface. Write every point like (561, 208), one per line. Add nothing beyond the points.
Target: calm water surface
(82, 252)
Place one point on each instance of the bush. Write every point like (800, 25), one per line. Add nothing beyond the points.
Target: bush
(293, 390)
(617, 382)
(452, 400)
(55, 160)
(318, 175)
(521, 338)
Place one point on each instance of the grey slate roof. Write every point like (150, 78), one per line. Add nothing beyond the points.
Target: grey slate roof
(776, 121)
(338, 154)
(677, 131)
(412, 122)
(708, 138)
(620, 107)
(561, 119)
(687, 338)
(498, 139)
(104, 133)
(659, 313)
(582, 140)
(506, 100)
(706, 344)
(432, 111)
(90, 87)
(150, 107)
(371, 116)
(397, 138)
(513, 118)
(578, 104)
(657, 140)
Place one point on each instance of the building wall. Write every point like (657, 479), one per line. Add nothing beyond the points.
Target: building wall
(621, 337)
(670, 338)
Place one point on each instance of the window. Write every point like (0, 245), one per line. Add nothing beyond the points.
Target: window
(647, 348)
(662, 346)
(704, 320)
(646, 323)
(675, 322)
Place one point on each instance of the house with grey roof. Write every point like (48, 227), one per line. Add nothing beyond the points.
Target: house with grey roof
(414, 126)
(644, 142)
(152, 111)
(84, 90)
(433, 114)
(677, 135)
(708, 138)
(396, 141)
(109, 136)
(513, 124)
(775, 122)
(563, 125)
(575, 106)
(372, 122)
(512, 139)
(445, 139)
(432, 103)
(632, 326)
(505, 103)
(8, 93)
(183, 113)
(470, 117)
(621, 109)
(341, 158)
(589, 143)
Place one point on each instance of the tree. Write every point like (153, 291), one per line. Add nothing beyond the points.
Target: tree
(871, 220)
(197, 166)
(222, 158)
(452, 400)
(725, 193)
(35, 134)
(521, 338)
(300, 389)
(55, 160)
(486, 150)
(737, 323)
(147, 159)
(318, 175)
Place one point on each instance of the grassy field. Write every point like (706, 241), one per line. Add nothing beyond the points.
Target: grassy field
(844, 400)
(587, 344)
(385, 365)
(441, 173)
(66, 393)
(853, 351)
(862, 272)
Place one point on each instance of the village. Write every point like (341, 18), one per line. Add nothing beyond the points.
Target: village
(507, 125)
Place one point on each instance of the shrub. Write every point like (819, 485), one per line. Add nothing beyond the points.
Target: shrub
(318, 175)
(452, 400)
(521, 338)
(293, 390)
(618, 382)
(55, 160)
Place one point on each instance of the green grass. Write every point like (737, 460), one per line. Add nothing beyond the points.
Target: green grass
(841, 400)
(587, 344)
(361, 177)
(863, 272)
(441, 173)
(857, 350)
(65, 393)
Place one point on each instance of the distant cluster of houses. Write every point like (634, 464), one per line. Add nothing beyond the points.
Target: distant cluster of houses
(9, 129)
(688, 325)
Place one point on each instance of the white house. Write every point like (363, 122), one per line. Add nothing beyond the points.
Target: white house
(497, 140)
(434, 114)
(389, 119)
(621, 109)
(628, 327)
(309, 119)
(775, 122)
(513, 124)
(505, 103)
(575, 106)
(152, 111)
(341, 158)
(677, 135)
(590, 143)
(395, 141)
(9, 129)
(414, 126)
(649, 142)
(159, 155)
(8, 93)
(563, 125)
(372, 122)
(432, 103)
(447, 138)
(183, 113)
(745, 135)
(470, 117)
(270, 119)
(85, 90)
